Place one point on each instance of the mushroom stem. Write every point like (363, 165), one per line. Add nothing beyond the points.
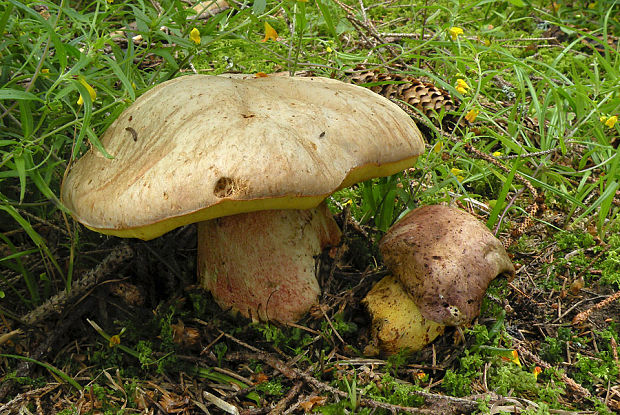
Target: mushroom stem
(397, 323)
(262, 264)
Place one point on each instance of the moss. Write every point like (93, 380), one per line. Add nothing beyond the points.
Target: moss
(573, 240)
(507, 377)
(610, 268)
(600, 369)
(271, 388)
(238, 55)
(458, 382)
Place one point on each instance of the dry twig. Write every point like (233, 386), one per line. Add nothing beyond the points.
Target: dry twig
(15, 404)
(583, 316)
(442, 404)
(103, 271)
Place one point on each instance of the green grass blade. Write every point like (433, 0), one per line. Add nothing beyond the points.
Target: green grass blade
(494, 215)
(49, 367)
(18, 95)
(20, 167)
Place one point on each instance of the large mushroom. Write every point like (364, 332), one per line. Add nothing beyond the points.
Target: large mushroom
(444, 260)
(250, 159)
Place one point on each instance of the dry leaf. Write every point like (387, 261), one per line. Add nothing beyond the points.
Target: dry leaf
(259, 377)
(312, 402)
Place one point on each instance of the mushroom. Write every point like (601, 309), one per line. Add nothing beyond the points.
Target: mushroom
(444, 260)
(250, 159)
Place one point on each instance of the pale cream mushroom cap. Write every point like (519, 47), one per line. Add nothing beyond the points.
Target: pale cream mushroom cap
(201, 147)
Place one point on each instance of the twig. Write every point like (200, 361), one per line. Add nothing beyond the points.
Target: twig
(368, 27)
(5, 337)
(45, 347)
(21, 399)
(103, 271)
(220, 403)
(449, 405)
(583, 316)
(44, 222)
(284, 402)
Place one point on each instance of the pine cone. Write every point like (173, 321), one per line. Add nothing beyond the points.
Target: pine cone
(424, 96)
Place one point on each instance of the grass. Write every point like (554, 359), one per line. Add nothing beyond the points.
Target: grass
(544, 81)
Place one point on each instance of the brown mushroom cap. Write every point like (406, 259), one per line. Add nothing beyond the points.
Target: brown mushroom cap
(201, 147)
(445, 258)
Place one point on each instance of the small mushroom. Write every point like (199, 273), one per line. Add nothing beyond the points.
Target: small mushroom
(444, 260)
(250, 159)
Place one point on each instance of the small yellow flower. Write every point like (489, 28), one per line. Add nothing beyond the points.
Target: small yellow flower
(472, 114)
(537, 371)
(45, 70)
(115, 340)
(455, 32)
(91, 91)
(194, 36)
(421, 376)
(497, 154)
(329, 50)
(110, 1)
(461, 86)
(457, 172)
(611, 121)
(437, 147)
(270, 33)
(515, 358)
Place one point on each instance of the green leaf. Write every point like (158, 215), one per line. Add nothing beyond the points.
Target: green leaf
(94, 140)
(18, 95)
(36, 178)
(494, 215)
(88, 111)
(259, 7)
(25, 225)
(14, 263)
(19, 255)
(25, 114)
(328, 19)
(164, 53)
(386, 214)
(35, 237)
(122, 77)
(20, 166)
(49, 367)
(5, 17)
